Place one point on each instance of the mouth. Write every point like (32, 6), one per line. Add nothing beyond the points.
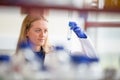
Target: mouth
(41, 39)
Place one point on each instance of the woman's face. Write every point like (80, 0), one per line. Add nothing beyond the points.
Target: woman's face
(38, 33)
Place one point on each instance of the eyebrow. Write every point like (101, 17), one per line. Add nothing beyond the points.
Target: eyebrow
(41, 28)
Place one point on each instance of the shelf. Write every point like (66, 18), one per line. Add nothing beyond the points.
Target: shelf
(64, 6)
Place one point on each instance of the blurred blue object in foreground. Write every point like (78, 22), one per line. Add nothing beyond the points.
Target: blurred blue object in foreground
(78, 59)
(4, 58)
(5, 67)
(58, 47)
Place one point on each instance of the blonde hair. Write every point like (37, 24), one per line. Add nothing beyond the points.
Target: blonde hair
(26, 26)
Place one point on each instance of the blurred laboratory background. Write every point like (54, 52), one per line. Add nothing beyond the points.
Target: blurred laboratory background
(100, 19)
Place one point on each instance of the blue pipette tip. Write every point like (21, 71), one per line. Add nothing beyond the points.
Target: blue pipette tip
(72, 24)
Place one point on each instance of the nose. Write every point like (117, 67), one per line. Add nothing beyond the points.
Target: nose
(42, 34)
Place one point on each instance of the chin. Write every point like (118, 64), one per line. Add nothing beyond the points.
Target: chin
(40, 44)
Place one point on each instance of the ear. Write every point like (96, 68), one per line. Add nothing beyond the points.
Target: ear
(27, 33)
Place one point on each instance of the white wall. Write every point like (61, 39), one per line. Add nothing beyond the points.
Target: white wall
(10, 23)
(106, 39)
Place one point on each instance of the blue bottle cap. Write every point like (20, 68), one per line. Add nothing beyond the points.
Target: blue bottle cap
(4, 58)
(59, 47)
(78, 59)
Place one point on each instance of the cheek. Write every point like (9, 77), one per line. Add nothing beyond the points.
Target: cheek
(32, 37)
(46, 35)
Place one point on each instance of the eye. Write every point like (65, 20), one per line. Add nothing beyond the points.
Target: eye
(38, 30)
(45, 30)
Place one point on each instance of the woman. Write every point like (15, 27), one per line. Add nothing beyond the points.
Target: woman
(33, 35)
